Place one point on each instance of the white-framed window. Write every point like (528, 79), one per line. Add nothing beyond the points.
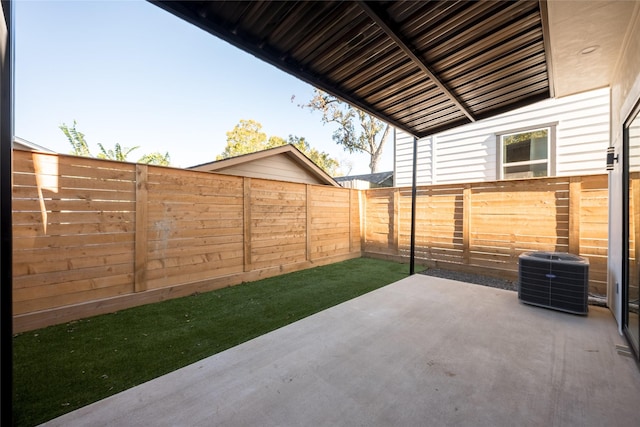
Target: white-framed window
(526, 153)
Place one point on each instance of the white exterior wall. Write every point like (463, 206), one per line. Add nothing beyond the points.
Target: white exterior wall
(625, 93)
(404, 160)
(469, 153)
(356, 184)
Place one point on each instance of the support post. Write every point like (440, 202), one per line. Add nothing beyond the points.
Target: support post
(412, 255)
(6, 235)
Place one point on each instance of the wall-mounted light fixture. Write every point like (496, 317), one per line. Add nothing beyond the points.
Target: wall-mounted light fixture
(611, 158)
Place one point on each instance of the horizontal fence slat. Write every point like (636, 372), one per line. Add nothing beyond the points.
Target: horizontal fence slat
(75, 222)
(80, 225)
(505, 219)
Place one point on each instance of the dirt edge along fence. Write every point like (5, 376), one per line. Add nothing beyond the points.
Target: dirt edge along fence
(94, 236)
(484, 227)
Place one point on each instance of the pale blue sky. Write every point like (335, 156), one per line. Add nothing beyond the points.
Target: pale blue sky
(131, 73)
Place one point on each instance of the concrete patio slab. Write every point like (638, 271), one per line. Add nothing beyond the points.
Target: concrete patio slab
(423, 351)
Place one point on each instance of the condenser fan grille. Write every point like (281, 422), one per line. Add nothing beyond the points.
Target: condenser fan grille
(554, 280)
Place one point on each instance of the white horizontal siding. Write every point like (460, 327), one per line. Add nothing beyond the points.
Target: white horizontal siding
(469, 153)
(582, 135)
(357, 184)
(404, 160)
(465, 157)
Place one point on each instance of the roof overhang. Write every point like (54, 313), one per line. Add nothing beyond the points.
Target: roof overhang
(428, 66)
(288, 150)
(422, 66)
(586, 40)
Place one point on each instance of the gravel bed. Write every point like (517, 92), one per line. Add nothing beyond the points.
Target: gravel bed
(477, 279)
(493, 282)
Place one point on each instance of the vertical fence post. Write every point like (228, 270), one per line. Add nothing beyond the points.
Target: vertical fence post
(246, 215)
(575, 189)
(466, 225)
(396, 221)
(308, 224)
(351, 208)
(362, 200)
(141, 235)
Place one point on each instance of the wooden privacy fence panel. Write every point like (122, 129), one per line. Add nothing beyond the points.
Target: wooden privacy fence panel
(73, 226)
(594, 229)
(331, 222)
(278, 223)
(439, 235)
(511, 217)
(379, 232)
(94, 236)
(484, 227)
(194, 227)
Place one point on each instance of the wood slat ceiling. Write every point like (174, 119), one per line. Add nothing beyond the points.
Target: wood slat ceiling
(422, 66)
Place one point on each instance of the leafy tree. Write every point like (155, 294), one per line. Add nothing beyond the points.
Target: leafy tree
(356, 131)
(119, 153)
(76, 139)
(156, 158)
(247, 137)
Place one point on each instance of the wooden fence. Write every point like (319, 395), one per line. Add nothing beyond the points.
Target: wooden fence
(484, 227)
(94, 236)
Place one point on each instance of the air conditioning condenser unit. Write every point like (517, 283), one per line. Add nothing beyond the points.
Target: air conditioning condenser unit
(555, 280)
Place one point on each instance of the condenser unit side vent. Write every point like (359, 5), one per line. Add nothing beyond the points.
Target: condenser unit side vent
(555, 280)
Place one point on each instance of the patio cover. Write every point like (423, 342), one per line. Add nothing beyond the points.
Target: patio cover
(422, 66)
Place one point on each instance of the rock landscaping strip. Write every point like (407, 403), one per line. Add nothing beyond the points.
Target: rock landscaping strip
(477, 279)
(494, 282)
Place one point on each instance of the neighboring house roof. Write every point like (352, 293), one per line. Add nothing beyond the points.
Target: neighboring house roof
(378, 179)
(23, 144)
(284, 163)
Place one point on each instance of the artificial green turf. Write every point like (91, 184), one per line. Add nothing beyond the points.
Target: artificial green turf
(64, 367)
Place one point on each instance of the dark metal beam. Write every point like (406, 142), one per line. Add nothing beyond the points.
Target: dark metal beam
(393, 34)
(414, 186)
(6, 249)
